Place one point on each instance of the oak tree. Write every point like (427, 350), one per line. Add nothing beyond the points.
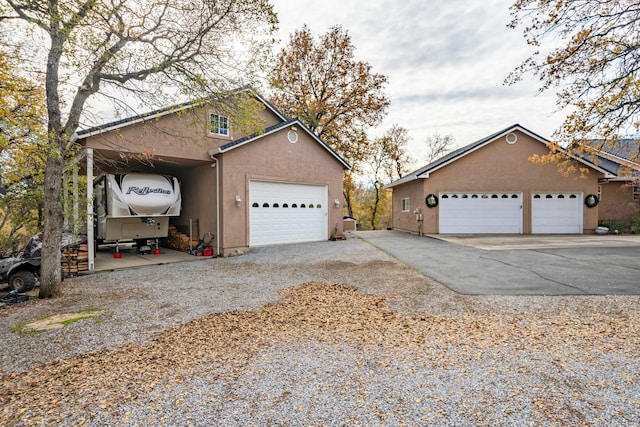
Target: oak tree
(399, 162)
(386, 160)
(588, 52)
(333, 94)
(154, 47)
(22, 127)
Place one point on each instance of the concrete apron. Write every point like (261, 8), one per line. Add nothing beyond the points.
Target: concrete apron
(130, 258)
(510, 242)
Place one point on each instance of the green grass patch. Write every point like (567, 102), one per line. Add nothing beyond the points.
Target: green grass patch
(59, 321)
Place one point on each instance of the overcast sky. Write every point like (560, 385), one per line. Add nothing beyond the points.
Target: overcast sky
(446, 62)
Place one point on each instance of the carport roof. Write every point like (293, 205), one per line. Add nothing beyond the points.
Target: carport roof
(424, 172)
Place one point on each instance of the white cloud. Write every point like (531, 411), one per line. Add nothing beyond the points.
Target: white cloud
(446, 63)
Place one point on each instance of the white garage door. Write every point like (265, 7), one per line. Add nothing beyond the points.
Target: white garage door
(556, 213)
(480, 213)
(286, 213)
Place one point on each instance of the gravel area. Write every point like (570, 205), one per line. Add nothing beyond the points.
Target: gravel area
(329, 333)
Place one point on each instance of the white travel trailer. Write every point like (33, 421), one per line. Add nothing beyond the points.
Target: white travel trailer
(135, 206)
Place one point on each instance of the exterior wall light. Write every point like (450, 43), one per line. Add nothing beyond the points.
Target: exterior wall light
(336, 202)
(238, 200)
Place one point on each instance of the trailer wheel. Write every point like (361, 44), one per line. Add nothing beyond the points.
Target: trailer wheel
(22, 281)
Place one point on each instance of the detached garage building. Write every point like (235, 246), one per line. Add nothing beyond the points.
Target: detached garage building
(492, 187)
(280, 185)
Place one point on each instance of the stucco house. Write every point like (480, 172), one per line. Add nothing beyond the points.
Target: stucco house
(491, 186)
(620, 194)
(281, 185)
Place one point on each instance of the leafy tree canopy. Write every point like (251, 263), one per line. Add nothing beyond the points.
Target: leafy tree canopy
(22, 126)
(589, 52)
(335, 95)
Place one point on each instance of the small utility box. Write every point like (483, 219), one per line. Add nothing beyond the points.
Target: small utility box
(349, 224)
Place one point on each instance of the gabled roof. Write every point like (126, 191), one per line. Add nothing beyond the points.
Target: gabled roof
(275, 128)
(424, 172)
(152, 115)
(612, 156)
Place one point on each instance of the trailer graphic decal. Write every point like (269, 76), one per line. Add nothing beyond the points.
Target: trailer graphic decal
(143, 191)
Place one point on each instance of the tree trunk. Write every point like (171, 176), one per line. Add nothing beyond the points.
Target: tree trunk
(347, 199)
(374, 211)
(50, 279)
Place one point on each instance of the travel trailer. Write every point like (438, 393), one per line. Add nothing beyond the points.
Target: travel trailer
(134, 206)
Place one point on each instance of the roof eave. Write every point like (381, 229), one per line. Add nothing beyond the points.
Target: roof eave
(170, 110)
(143, 118)
(294, 122)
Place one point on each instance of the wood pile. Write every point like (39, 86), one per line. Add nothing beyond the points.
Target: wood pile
(180, 241)
(75, 258)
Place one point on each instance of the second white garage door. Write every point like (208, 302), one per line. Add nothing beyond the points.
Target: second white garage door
(286, 213)
(480, 213)
(556, 213)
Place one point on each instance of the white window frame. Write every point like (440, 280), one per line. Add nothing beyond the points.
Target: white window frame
(219, 130)
(636, 192)
(406, 204)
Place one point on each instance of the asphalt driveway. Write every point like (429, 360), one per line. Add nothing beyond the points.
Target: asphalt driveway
(520, 265)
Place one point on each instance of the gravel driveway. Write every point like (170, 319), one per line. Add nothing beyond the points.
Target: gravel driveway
(330, 333)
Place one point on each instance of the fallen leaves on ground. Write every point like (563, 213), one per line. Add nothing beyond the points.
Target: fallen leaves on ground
(102, 380)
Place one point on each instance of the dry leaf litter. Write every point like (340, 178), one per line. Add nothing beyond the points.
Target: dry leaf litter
(332, 333)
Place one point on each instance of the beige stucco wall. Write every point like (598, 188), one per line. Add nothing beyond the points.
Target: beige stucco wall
(499, 167)
(617, 201)
(274, 158)
(184, 135)
(198, 200)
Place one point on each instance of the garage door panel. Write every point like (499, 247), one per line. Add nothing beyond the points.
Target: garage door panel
(477, 213)
(556, 213)
(286, 213)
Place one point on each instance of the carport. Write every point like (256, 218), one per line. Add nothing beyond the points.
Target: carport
(94, 162)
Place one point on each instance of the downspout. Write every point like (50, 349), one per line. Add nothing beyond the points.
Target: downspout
(215, 165)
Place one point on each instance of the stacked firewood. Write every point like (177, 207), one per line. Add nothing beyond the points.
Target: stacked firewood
(180, 241)
(75, 258)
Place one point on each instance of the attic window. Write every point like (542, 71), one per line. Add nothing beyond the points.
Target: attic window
(219, 125)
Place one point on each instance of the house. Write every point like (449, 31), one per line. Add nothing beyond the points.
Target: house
(281, 185)
(620, 194)
(492, 186)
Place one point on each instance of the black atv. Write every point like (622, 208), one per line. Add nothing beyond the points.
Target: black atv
(20, 273)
